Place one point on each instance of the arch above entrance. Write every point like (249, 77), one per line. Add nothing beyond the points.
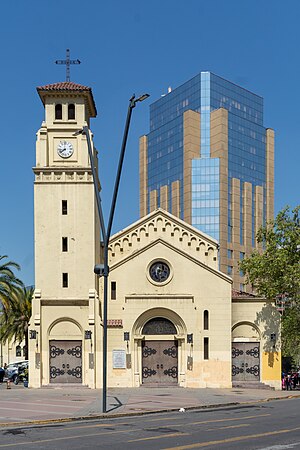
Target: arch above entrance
(65, 351)
(245, 331)
(159, 325)
(65, 327)
(159, 313)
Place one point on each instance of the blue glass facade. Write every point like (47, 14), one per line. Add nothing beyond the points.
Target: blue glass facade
(165, 140)
(246, 148)
(206, 195)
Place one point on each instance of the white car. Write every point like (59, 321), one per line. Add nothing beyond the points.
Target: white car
(13, 370)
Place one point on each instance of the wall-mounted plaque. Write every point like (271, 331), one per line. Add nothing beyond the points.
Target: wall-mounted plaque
(91, 360)
(119, 359)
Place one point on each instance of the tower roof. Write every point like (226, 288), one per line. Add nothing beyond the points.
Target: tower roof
(69, 87)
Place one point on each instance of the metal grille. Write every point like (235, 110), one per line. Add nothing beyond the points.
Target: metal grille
(159, 325)
(245, 361)
(160, 362)
(65, 361)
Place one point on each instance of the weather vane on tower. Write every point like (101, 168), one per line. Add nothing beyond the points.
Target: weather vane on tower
(67, 62)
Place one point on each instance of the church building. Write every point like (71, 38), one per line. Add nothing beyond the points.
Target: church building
(173, 318)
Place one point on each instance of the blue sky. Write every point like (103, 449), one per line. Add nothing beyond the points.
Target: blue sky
(137, 46)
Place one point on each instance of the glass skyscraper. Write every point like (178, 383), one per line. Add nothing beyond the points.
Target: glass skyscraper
(209, 160)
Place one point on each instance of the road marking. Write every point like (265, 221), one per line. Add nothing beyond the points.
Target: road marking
(93, 426)
(73, 425)
(280, 447)
(233, 439)
(65, 438)
(122, 431)
(211, 421)
(228, 420)
(159, 437)
(234, 426)
(165, 418)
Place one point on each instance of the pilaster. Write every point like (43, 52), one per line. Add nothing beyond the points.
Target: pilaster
(191, 150)
(143, 175)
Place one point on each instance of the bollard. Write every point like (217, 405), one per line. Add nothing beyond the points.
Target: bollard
(8, 386)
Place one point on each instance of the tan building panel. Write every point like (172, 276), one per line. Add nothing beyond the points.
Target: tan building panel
(176, 198)
(191, 150)
(235, 211)
(153, 200)
(258, 211)
(164, 197)
(270, 135)
(219, 149)
(143, 175)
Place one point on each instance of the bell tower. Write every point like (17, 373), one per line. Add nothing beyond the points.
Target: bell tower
(67, 241)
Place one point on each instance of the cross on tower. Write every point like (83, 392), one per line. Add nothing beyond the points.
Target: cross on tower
(67, 62)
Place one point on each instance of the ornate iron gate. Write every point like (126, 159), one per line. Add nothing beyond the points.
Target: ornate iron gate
(160, 362)
(245, 361)
(65, 361)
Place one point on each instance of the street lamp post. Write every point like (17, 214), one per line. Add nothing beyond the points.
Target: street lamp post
(106, 232)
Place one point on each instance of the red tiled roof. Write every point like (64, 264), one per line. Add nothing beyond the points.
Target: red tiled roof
(69, 86)
(64, 86)
(241, 294)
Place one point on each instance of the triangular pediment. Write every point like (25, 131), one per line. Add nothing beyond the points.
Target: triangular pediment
(161, 243)
(163, 226)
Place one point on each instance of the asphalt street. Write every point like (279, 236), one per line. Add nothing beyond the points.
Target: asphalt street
(272, 425)
(23, 405)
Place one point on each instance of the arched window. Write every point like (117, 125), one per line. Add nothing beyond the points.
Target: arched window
(58, 111)
(205, 320)
(71, 111)
(159, 325)
(18, 351)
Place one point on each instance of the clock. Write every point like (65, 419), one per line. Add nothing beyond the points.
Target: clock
(159, 271)
(65, 149)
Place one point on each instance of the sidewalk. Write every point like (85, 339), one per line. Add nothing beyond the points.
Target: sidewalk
(20, 405)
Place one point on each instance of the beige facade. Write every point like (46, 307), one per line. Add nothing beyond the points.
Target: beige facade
(11, 352)
(194, 285)
(196, 298)
(67, 238)
(257, 321)
(171, 319)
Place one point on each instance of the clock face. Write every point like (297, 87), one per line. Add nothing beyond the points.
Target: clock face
(159, 271)
(65, 149)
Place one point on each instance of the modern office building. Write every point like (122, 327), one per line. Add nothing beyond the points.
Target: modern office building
(209, 160)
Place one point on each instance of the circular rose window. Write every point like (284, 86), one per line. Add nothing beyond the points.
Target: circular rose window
(159, 271)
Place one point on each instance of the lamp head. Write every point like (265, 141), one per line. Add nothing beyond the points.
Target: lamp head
(78, 132)
(142, 97)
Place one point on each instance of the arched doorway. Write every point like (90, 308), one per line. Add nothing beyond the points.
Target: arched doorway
(65, 352)
(159, 352)
(245, 352)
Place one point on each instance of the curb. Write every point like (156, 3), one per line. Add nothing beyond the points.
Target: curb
(108, 416)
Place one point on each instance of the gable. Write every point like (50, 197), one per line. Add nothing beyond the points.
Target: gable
(175, 233)
(158, 249)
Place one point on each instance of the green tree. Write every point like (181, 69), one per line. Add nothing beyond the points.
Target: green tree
(275, 272)
(7, 278)
(16, 315)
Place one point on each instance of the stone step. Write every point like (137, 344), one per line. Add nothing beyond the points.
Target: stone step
(252, 385)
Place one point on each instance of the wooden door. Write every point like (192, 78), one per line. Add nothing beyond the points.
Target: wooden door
(65, 361)
(160, 362)
(245, 361)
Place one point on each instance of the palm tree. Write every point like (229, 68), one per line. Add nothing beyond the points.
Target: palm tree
(16, 315)
(7, 279)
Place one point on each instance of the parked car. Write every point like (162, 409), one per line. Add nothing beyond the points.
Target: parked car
(2, 373)
(17, 371)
